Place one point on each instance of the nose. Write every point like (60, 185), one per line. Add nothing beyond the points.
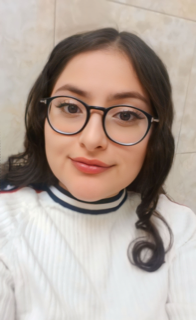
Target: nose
(93, 137)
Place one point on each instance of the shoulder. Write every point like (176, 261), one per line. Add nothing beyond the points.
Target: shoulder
(15, 206)
(180, 218)
(12, 196)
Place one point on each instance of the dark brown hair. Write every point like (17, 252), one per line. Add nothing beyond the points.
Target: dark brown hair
(31, 167)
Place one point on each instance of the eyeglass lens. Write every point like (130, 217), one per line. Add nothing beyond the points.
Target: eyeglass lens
(123, 124)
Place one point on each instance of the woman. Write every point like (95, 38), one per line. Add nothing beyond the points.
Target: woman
(86, 229)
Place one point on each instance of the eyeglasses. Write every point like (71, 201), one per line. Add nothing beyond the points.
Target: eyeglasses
(122, 124)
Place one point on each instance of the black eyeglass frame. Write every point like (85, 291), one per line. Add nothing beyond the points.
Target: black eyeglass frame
(150, 118)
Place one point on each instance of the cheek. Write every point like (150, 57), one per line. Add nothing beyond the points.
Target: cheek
(57, 148)
(54, 145)
(50, 145)
(133, 158)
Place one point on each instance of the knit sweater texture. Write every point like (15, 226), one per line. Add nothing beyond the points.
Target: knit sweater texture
(65, 259)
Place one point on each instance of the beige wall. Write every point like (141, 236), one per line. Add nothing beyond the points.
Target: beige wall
(29, 30)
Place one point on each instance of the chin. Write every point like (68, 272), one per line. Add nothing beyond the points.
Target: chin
(89, 190)
(87, 195)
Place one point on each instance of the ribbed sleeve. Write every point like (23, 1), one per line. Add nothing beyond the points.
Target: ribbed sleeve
(182, 283)
(7, 300)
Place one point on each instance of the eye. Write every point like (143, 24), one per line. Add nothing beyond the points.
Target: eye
(129, 115)
(72, 108)
(125, 115)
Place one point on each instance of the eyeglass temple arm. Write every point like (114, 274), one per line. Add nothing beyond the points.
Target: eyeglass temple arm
(43, 101)
(154, 120)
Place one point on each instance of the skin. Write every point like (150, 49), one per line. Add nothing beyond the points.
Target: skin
(101, 74)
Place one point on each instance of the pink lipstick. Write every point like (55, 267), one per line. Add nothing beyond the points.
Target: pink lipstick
(89, 166)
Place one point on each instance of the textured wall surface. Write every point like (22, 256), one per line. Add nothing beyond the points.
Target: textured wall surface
(29, 30)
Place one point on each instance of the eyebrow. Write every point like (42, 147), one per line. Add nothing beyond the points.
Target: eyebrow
(73, 89)
(120, 95)
(130, 94)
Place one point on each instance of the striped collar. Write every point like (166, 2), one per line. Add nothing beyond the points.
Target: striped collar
(64, 198)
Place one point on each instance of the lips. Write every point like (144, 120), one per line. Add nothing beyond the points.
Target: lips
(89, 166)
(93, 162)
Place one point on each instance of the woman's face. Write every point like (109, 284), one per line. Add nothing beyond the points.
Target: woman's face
(96, 78)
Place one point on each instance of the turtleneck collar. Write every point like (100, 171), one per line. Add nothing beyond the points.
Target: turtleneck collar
(67, 200)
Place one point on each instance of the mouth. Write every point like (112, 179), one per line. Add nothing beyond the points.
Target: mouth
(89, 166)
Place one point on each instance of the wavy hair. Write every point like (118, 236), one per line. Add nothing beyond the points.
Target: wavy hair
(31, 167)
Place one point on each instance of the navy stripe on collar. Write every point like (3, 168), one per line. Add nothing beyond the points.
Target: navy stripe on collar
(107, 200)
(64, 198)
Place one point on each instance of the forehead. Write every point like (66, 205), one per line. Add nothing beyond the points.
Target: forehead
(102, 72)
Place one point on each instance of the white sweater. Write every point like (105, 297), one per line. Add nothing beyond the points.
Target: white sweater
(64, 259)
